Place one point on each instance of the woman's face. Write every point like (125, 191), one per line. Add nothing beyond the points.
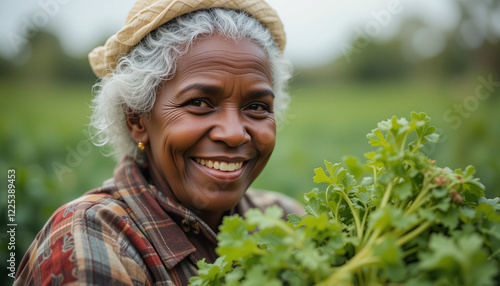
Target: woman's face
(212, 129)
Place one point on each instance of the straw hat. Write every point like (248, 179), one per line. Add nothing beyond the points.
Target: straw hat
(146, 15)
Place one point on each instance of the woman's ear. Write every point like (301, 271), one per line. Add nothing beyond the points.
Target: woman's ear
(136, 127)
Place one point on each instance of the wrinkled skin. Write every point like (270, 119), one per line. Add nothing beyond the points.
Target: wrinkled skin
(218, 107)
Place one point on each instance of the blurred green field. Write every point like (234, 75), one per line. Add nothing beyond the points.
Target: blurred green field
(330, 122)
(43, 137)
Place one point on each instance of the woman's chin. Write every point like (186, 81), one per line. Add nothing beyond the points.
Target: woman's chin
(217, 200)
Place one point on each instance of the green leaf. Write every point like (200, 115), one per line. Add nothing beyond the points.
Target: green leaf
(354, 167)
(348, 182)
(390, 254)
(234, 277)
(461, 259)
(444, 254)
(294, 219)
(439, 193)
(488, 212)
(450, 218)
(403, 191)
(470, 171)
(427, 214)
(235, 242)
(210, 274)
(472, 191)
(363, 195)
(370, 155)
(367, 181)
(321, 177)
(391, 216)
(264, 220)
(495, 203)
(319, 223)
(313, 206)
(339, 174)
(258, 276)
(433, 138)
(386, 178)
(444, 204)
(377, 138)
(380, 219)
(467, 214)
(386, 125)
(401, 221)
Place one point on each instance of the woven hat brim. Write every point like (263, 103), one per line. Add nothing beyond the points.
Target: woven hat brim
(146, 16)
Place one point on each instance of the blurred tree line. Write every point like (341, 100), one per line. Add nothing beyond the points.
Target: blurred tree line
(46, 63)
(471, 50)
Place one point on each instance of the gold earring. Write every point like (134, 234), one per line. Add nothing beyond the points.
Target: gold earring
(141, 145)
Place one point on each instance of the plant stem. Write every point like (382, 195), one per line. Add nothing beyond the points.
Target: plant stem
(373, 237)
(338, 207)
(414, 233)
(360, 260)
(260, 251)
(494, 253)
(283, 226)
(387, 195)
(411, 251)
(365, 216)
(355, 215)
(419, 200)
(418, 145)
(403, 143)
(328, 202)
(385, 200)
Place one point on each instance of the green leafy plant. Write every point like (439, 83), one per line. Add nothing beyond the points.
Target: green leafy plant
(409, 222)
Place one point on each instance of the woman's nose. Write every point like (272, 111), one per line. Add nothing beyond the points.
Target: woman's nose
(230, 129)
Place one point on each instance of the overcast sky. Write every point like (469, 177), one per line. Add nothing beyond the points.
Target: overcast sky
(317, 30)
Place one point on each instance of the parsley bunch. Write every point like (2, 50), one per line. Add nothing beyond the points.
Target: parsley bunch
(410, 222)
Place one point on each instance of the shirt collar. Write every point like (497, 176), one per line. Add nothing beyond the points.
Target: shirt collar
(157, 214)
(152, 213)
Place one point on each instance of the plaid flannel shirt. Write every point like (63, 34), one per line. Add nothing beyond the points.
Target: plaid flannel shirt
(126, 233)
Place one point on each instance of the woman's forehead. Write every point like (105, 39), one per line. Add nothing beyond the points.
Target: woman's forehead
(238, 57)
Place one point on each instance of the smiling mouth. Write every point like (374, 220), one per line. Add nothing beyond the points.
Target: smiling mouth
(220, 165)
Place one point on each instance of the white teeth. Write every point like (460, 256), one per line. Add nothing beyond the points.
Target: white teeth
(222, 166)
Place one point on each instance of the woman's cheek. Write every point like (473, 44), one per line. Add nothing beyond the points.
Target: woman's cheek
(265, 137)
(185, 130)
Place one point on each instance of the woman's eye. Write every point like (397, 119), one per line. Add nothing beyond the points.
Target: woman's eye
(256, 107)
(198, 103)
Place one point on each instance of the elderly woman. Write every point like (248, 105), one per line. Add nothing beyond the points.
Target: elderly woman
(187, 99)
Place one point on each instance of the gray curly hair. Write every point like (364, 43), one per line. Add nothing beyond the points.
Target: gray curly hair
(132, 86)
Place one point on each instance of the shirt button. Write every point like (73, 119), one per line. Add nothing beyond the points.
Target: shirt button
(196, 228)
(186, 226)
